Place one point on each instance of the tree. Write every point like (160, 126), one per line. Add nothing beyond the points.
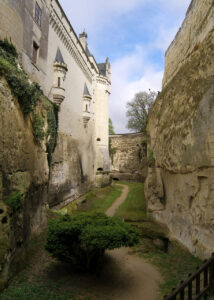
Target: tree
(111, 127)
(138, 110)
(83, 238)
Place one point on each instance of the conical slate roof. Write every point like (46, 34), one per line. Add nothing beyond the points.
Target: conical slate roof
(59, 58)
(86, 91)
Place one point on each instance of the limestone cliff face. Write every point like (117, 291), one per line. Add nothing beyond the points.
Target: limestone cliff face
(180, 182)
(128, 156)
(23, 182)
(66, 181)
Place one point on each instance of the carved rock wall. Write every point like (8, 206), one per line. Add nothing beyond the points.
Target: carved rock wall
(23, 170)
(180, 182)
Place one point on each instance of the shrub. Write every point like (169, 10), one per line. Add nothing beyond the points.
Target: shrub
(82, 239)
(9, 48)
(14, 200)
(52, 118)
(38, 127)
(27, 93)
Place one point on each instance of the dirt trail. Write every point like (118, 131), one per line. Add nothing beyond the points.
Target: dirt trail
(111, 210)
(136, 279)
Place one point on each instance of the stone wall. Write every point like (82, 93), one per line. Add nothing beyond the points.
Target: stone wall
(23, 171)
(128, 156)
(179, 185)
(11, 24)
(195, 28)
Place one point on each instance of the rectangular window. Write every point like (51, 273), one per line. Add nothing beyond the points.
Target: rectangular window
(38, 14)
(35, 53)
(59, 81)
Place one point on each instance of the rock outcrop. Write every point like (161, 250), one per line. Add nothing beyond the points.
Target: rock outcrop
(128, 156)
(180, 182)
(24, 175)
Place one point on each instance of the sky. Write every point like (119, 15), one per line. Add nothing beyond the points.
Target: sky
(134, 35)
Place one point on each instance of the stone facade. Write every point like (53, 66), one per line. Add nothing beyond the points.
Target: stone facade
(179, 185)
(61, 63)
(128, 156)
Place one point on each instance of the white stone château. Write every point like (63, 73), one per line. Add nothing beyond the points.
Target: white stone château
(60, 62)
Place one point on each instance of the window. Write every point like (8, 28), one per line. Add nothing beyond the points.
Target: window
(38, 14)
(35, 52)
(86, 108)
(59, 81)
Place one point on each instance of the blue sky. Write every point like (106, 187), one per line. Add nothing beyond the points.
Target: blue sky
(134, 34)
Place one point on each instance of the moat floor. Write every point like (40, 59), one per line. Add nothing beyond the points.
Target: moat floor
(124, 275)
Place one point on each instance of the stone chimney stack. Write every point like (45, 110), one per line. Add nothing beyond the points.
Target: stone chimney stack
(83, 39)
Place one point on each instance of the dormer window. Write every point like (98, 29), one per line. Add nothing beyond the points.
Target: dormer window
(38, 14)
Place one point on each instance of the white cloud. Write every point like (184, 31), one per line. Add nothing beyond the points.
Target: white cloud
(124, 88)
(94, 14)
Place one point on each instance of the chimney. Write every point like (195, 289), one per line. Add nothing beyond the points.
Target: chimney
(83, 39)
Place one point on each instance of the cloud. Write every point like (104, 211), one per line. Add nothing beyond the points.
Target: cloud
(124, 87)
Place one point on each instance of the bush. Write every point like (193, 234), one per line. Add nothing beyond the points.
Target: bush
(38, 127)
(9, 48)
(27, 93)
(14, 200)
(82, 239)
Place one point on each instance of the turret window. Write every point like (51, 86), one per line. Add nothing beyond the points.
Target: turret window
(59, 82)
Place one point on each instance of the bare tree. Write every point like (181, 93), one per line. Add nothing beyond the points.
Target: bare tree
(138, 110)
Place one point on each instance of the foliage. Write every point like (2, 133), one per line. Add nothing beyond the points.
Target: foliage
(27, 93)
(82, 239)
(14, 200)
(150, 157)
(138, 110)
(37, 289)
(52, 118)
(38, 127)
(8, 47)
(110, 127)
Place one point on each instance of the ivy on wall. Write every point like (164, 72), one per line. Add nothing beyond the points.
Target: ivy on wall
(31, 98)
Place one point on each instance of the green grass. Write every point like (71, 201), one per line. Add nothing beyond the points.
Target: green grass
(99, 199)
(36, 290)
(134, 207)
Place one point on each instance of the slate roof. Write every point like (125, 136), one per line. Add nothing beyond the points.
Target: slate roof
(102, 69)
(86, 91)
(87, 51)
(59, 58)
